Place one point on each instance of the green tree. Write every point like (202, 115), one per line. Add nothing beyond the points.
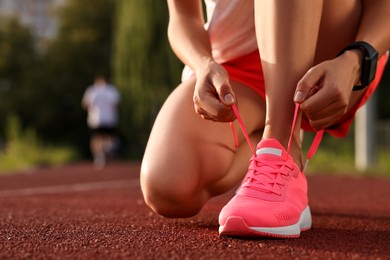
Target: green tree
(81, 49)
(145, 69)
(17, 60)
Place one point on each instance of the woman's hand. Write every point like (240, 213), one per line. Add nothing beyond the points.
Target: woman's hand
(213, 95)
(324, 91)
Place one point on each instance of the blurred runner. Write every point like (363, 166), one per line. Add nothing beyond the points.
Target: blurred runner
(101, 101)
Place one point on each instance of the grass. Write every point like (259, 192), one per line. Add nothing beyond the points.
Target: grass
(336, 156)
(24, 150)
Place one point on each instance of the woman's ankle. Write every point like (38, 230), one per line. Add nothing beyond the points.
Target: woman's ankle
(295, 146)
(296, 153)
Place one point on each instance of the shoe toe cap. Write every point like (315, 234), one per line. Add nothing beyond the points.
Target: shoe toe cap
(255, 214)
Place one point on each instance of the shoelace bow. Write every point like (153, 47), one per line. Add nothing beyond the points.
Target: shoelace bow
(271, 179)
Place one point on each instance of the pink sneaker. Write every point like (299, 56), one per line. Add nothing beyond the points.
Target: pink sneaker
(272, 199)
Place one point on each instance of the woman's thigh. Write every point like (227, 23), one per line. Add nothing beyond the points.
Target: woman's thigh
(189, 158)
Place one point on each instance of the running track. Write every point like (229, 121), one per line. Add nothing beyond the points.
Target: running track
(74, 212)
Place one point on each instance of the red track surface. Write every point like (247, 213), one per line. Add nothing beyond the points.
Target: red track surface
(74, 212)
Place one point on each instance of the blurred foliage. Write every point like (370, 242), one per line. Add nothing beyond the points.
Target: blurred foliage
(337, 156)
(123, 38)
(81, 50)
(44, 89)
(25, 150)
(17, 60)
(145, 69)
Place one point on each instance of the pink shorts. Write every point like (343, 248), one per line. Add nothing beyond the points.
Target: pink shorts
(247, 70)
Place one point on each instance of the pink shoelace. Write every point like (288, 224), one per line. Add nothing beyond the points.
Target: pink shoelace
(312, 150)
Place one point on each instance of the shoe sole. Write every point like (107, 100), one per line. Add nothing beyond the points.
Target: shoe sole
(236, 226)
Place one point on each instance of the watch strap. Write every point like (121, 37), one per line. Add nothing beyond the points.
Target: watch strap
(365, 46)
(368, 64)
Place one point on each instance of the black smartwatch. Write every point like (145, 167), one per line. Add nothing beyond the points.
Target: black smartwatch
(368, 65)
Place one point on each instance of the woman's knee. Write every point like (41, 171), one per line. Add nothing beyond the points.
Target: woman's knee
(171, 197)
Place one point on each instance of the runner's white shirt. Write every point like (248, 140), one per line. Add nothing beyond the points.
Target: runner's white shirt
(102, 108)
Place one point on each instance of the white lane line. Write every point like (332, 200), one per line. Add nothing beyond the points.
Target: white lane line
(89, 186)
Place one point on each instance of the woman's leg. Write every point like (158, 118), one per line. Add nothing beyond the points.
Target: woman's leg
(189, 159)
(272, 200)
(287, 34)
(293, 37)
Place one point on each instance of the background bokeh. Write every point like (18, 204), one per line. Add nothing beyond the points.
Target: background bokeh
(50, 51)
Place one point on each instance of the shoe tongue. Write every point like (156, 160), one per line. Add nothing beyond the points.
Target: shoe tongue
(270, 148)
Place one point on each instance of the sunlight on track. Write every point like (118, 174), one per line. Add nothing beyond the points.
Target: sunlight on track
(89, 186)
